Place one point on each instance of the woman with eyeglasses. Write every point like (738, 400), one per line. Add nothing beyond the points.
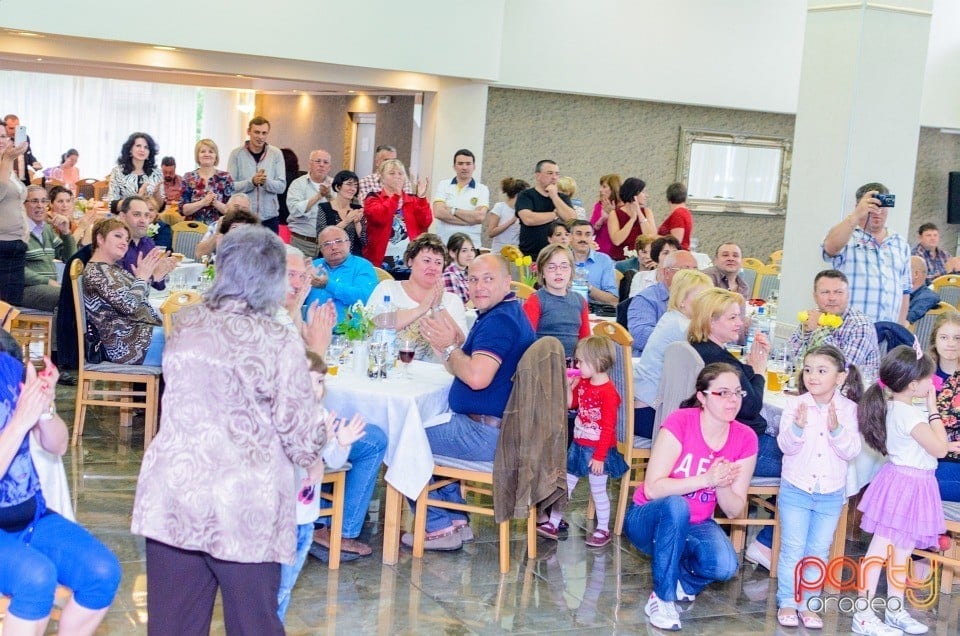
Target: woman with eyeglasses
(702, 457)
(555, 309)
(461, 252)
(345, 211)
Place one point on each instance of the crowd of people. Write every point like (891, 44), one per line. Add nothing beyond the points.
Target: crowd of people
(265, 325)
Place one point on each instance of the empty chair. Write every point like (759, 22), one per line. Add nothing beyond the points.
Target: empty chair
(186, 237)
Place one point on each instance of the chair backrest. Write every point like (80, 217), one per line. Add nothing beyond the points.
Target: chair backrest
(76, 280)
(768, 281)
(749, 276)
(752, 263)
(186, 237)
(776, 257)
(85, 188)
(948, 288)
(175, 302)
(382, 274)
(522, 291)
(946, 279)
(170, 217)
(681, 365)
(622, 377)
(100, 189)
(7, 314)
(924, 327)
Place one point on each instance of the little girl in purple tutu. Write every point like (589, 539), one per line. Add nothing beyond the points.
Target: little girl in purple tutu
(901, 506)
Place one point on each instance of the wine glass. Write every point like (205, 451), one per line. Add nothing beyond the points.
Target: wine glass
(407, 349)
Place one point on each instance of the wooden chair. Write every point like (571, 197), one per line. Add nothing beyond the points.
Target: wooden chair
(478, 476)
(635, 449)
(170, 217)
(85, 188)
(924, 327)
(753, 263)
(948, 288)
(758, 496)
(949, 559)
(749, 276)
(186, 236)
(126, 375)
(382, 274)
(7, 313)
(521, 290)
(337, 477)
(100, 189)
(776, 258)
(33, 329)
(176, 301)
(768, 281)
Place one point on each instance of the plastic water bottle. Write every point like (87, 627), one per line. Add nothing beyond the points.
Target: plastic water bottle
(580, 281)
(771, 306)
(385, 330)
(760, 324)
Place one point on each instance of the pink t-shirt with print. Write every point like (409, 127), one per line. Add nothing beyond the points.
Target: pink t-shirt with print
(696, 457)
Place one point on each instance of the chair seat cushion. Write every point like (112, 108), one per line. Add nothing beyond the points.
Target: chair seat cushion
(951, 510)
(463, 464)
(27, 311)
(765, 481)
(130, 369)
(642, 442)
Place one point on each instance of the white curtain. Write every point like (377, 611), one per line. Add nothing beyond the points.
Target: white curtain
(96, 116)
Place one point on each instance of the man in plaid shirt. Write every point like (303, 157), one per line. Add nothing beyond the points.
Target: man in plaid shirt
(928, 248)
(875, 261)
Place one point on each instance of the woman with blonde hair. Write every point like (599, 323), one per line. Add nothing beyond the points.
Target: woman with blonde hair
(206, 190)
(555, 309)
(394, 217)
(608, 202)
(687, 285)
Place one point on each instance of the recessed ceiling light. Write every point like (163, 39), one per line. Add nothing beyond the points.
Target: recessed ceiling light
(39, 59)
(239, 75)
(165, 48)
(27, 34)
(351, 92)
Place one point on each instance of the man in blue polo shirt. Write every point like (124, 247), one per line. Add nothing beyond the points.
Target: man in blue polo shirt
(483, 368)
(341, 276)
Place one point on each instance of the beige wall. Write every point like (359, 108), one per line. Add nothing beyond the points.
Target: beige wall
(307, 122)
(591, 136)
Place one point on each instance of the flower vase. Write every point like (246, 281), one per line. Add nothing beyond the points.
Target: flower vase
(361, 355)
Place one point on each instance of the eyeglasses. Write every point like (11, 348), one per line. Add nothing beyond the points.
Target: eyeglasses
(35, 201)
(557, 267)
(726, 394)
(334, 242)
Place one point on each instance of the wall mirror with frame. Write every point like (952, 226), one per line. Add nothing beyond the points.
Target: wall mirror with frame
(734, 172)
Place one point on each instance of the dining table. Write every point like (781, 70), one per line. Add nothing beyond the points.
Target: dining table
(403, 407)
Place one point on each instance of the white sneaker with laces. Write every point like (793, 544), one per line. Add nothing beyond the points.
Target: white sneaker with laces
(903, 620)
(683, 596)
(869, 624)
(663, 614)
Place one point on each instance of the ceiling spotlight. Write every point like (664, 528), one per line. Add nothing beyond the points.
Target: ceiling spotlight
(165, 48)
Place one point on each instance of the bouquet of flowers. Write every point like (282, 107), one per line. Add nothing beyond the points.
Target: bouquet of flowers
(525, 266)
(152, 229)
(826, 324)
(357, 323)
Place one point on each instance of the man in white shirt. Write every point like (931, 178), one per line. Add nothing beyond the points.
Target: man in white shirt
(460, 205)
(304, 197)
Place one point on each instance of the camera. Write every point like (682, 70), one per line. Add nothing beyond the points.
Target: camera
(886, 200)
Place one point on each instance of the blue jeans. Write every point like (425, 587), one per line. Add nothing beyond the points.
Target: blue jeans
(59, 551)
(290, 573)
(366, 457)
(948, 478)
(154, 355)
(463, 438)
(807, 523)
(769, 464)
(694, 554)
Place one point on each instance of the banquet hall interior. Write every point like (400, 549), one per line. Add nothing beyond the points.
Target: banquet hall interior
(846, 92)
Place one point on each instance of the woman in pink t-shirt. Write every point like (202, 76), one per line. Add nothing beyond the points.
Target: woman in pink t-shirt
(701, 457)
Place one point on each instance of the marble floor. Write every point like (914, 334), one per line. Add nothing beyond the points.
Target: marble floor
(568, 588)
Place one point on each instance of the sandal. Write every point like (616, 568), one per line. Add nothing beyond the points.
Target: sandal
(811, 620)
(598, 539)
(548, 531)
(788, 620)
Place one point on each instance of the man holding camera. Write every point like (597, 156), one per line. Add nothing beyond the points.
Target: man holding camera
(875, 261)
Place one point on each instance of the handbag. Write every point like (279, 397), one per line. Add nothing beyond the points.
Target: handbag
(92, 347)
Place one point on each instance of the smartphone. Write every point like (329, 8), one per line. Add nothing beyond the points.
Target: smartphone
(886, 200)
(21, 135)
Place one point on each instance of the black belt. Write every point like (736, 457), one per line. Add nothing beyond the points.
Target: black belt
(488, 420)
(308, 239)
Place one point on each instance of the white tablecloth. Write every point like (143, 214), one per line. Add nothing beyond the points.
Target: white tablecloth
(860, 471)
(191, 271)
(401, 408)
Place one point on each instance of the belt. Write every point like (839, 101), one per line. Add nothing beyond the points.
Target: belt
(488, 420)
(308, 239)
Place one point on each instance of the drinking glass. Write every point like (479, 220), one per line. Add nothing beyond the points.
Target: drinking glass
(407, 349)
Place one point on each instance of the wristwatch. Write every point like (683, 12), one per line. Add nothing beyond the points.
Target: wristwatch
(449, 351)
(453, 212)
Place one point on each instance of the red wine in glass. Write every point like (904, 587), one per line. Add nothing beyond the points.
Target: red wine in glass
(406, 356)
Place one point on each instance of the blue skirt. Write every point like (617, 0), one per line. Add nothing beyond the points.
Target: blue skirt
(578, 461)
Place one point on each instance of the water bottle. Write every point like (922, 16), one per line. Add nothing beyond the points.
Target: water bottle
(771, 306)
(385, 330)
(580, 281)
(761, 324)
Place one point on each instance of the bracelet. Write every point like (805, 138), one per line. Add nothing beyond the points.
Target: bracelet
(935, 416)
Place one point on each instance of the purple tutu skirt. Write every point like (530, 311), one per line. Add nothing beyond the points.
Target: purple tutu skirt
(903, 504)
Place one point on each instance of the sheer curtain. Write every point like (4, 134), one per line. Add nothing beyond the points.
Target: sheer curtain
(96, 116)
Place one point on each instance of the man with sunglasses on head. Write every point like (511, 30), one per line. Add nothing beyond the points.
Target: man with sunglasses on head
(340, 276)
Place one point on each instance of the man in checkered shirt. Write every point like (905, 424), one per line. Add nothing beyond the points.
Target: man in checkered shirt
(875, 260)
(371, 182)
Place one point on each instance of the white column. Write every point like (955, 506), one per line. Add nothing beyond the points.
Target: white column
(454, 117)
(858, 120)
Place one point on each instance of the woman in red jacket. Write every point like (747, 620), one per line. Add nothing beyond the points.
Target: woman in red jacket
(394, 217)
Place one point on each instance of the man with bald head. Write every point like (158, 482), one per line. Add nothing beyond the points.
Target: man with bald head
(483, 368)
(341, 276)
(922, 298)
(648, 306)
(304, 197)
(725, 272)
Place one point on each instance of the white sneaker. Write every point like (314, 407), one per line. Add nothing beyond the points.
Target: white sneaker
(683, 596)
(756, 554)
(903, 620)
(662, 614)
(869, 624)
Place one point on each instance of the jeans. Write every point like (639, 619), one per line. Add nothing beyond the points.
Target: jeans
(290, 573)
(769, 464)
(948, 477)
(465, 439)
(154, 356)
(807, 523)
(643, 420)
(273, 224)
(366, 457)
(693, 554)
(59, 551)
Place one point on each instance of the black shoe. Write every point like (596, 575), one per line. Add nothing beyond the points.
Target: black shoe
(67, 379)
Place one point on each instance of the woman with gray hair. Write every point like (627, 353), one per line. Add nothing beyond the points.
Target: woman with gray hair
(214, 498)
